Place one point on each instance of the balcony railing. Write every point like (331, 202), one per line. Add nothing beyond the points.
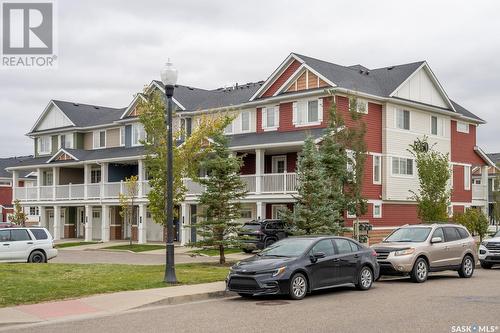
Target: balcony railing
(96, 191)
(479, 192)
(270, 183)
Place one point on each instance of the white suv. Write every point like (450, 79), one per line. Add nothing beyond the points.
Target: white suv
(26, 245)
(489, 252)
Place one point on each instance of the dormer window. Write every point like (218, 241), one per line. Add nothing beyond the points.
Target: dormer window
(66, 141)
(308, 112)
(138, 134)
(44, 145)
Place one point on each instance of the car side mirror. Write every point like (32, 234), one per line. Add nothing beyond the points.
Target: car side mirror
(436, 240)
(317, 255)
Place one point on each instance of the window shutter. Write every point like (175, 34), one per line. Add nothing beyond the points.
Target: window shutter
(264, 117)
(294, 115)
(320, 109)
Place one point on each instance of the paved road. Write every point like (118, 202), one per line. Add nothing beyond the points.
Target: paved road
(391, 306)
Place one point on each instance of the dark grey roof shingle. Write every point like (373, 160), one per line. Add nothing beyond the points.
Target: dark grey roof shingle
(463, 111)
(495, 157)
(9, 162)
(83, 115)
(252, 139)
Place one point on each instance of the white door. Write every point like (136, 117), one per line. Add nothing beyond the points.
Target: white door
(80, 222)
(279, 164)
(96, 225)
(50, 222)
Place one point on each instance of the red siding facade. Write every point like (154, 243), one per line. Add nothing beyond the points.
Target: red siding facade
(282, 79)
(462, 145)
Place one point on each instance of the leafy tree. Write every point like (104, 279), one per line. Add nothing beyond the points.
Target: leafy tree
(19, 216)
(474, 220)
(127, 202)
(221, 199)
(433, 174)
(152, 115)
(315, 212)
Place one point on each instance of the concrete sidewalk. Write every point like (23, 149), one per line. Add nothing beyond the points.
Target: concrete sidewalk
(105, 304)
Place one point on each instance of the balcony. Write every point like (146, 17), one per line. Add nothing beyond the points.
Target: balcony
(70, 192)
(269, 183)
(479, 192)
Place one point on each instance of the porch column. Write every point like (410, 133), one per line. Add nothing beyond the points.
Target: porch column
(86, 179)
(15, 183)
(484, 185)
(140, 177)
(142, 227)
(104, 178)
(55, 180)
(105, 223)
(38, 182)
(259, 169)
(88, 223)
(42, 217)
(261, 210)
(57, 223)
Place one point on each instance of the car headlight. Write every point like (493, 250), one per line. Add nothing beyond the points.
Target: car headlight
(404, 252)
(279, 271)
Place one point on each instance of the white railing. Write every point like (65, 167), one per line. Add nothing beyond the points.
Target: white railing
(279, 183)
(479, 192)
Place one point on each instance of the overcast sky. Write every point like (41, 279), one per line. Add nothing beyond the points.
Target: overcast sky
(108, 50)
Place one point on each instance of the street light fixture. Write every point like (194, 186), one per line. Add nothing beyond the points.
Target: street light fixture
(169, 78)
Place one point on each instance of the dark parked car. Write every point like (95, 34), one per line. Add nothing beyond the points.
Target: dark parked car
(298, 265)
(259, 234)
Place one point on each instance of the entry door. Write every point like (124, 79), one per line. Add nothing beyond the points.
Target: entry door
(279, 164)
(51, 222)
(96, 224)
(80, 222)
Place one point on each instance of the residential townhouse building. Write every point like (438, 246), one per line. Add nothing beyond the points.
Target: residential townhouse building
(492, 185)
(83, 153)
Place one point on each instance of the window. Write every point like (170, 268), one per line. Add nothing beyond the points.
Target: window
(277, 211)
(48, 179)
(4, 235)
(66, 140)
(44, 145)
(245, 121)
(122, 136)
(270, 118)
(5, 183)
(438, 233)
(403, 119)
(308, 112)
(324, 246)
(402, 166)
(229, 129)
(19, 235)
(343, 245)
(95, 175)
(463, 233)
(467, 177)
(246, 213)
(99, 139)
(451, 234)
(34, 211)
(278, 164)
(377, 169)
(437, 126)
(138, 134)
(377, 210)
(362, 106)
(39, 233)
(96, 214)
(462, 127)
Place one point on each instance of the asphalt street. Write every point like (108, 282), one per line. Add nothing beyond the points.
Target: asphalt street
(440, 305)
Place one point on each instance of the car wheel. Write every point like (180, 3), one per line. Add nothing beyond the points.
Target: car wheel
(365, 278)
(245, 295)
(247, 250)
(467, 268)
(37, 257)
(298, 286)
(420, 271)
(486, 265)
(269, 242)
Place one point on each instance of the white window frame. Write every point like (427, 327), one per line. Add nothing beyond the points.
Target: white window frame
(379, 205)
(72, 140)
(376, 157)
(5, 183)
(274, 163)
(467, 177)
(275, 209)
(276, 117)
(96, 138)
(249, 129)
(48, 179)
(439, 126)
(135, 141)
(399, 174)
(361, 102)
(36, 211)
(122, 136)
(462, 124)
(49, 139)
(296, 115)
(396, 119)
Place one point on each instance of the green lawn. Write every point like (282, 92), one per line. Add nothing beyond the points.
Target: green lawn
(71, 244)
(135, 247)
(34, 283)
(215, 252)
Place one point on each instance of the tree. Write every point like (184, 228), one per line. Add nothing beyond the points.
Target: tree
(314, 211)
(433, 175)
(474, 220)
(19, 216)
(151, 113)
(127, 202)
(221, 199)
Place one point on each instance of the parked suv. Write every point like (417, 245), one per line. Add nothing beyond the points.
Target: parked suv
(489, 252)
(26, 245)
(418, 249)
(259, 234)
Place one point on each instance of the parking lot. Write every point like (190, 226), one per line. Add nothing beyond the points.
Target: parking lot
(445, 303)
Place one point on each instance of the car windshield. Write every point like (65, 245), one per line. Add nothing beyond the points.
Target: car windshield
(287, 248)
(251, 226)
(408, 235)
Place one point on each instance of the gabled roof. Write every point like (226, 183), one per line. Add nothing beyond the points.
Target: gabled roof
(9, 162)
(495, 157)
(273, 137)
(464, 112)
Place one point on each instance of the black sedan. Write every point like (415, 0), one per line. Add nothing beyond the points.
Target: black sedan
(298, 265)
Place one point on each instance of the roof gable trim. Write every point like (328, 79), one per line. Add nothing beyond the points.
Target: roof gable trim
(61, 152)
(297, 74)
(46, 111)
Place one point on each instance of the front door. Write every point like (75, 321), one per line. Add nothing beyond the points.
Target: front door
(279, 164)
(51, 222)
(96, 224)
(80, 222)
(322, 269)
(346, 260)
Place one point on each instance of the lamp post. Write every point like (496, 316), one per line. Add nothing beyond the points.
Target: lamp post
(169, 78)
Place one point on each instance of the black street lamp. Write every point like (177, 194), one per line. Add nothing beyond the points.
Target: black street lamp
(169, 79)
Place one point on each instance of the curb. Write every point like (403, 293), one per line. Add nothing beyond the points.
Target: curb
(187, 299)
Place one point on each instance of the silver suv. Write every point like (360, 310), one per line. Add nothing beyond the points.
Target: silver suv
(33, 244)
(416, 250)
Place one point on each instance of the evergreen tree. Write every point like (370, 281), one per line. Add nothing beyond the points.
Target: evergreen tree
(19, 216)
(221, 199)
